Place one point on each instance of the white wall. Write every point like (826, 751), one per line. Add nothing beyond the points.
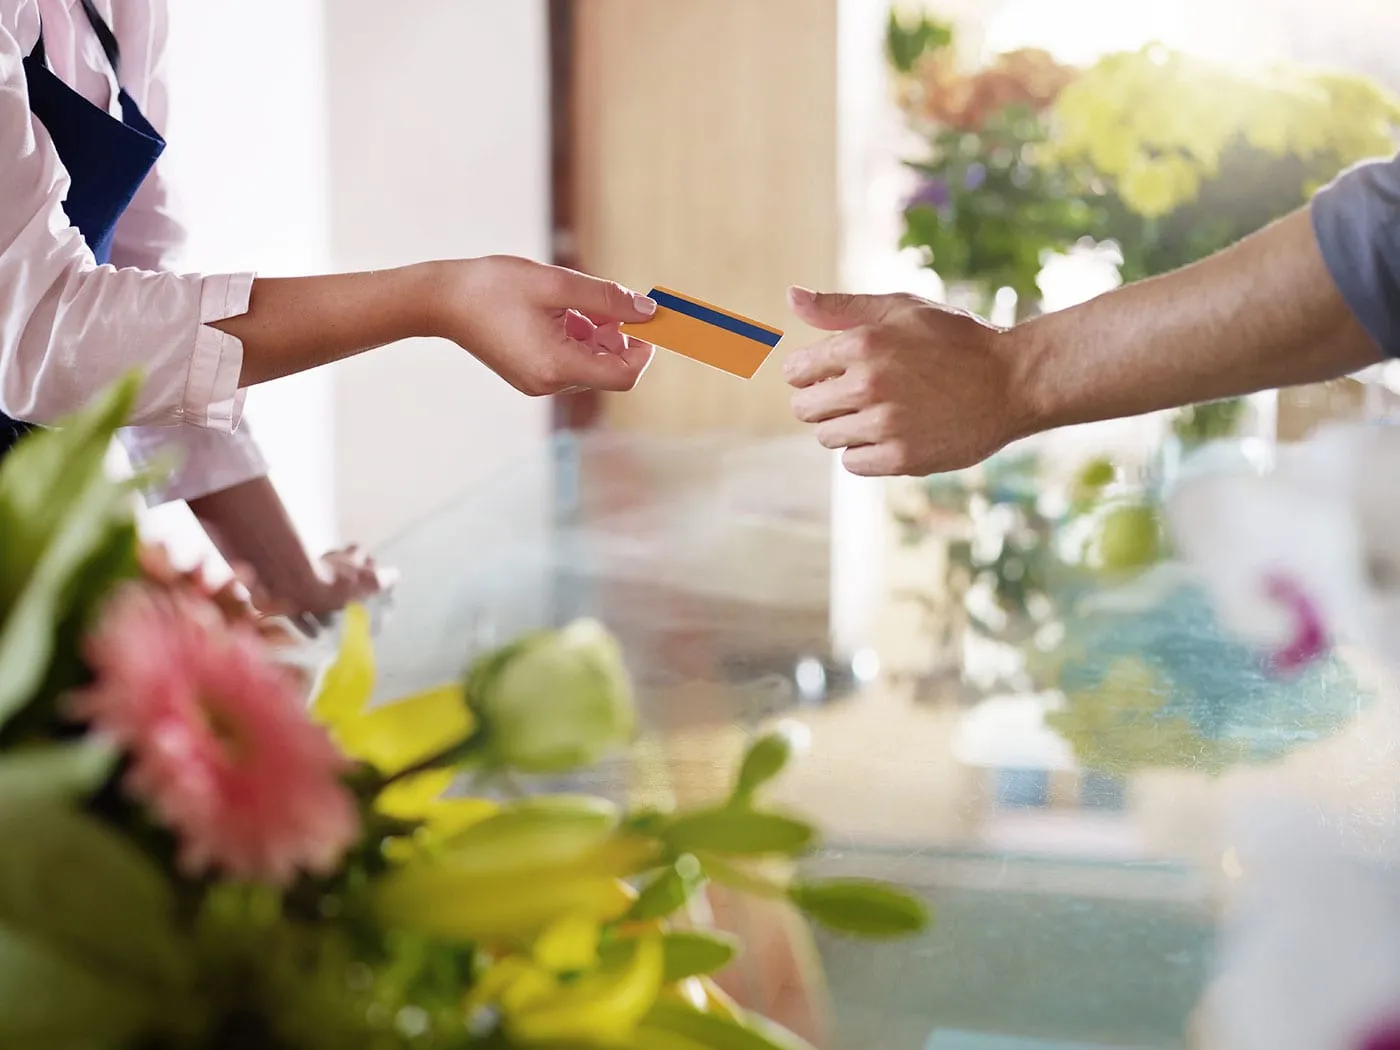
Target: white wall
(439, 148)
(315, 135)
(247, 156)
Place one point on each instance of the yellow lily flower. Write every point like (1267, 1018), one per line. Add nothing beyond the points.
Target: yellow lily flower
(394, 736)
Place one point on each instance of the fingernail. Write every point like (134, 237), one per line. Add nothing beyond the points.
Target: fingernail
(645, 306)
(803, 296)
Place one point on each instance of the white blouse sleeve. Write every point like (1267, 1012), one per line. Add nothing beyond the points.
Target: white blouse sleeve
(69, 328)
(151, 236)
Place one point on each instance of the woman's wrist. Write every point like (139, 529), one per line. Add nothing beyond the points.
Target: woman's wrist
(441, 292)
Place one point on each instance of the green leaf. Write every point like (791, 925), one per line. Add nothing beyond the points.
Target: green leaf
(693, 954)
(765, 759)
(738, 832)
(57, 508)
(88, 894)
(45, 476)
(669, 891)
(862, 907)
(48, 1001)
(905, 45)
(50, 774)
(668, 1023)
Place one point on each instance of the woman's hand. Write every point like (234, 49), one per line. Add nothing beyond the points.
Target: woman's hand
(340, 578)
(345, 577)
(543, 329)
(251, 528)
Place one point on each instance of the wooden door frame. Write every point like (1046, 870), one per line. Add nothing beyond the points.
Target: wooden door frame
(582, 410)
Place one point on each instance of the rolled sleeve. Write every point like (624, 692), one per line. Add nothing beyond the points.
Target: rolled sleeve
(213, 398)
(1357, 223)
(192, 462)
(205, 454)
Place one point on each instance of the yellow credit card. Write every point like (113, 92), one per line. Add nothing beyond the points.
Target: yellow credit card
(705, 333)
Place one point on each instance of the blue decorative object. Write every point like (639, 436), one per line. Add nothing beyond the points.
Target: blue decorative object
(1204, 679)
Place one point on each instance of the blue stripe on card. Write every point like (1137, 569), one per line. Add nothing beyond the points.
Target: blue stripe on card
(716, 318)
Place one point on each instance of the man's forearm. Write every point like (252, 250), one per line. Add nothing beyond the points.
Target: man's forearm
(1265, 313)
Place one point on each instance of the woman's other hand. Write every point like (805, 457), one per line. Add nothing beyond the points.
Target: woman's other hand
(342, 577)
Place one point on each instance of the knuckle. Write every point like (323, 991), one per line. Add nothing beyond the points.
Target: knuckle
(885, 420)
(865, 386)
(901, 455)
(556, 282)
(863, 344)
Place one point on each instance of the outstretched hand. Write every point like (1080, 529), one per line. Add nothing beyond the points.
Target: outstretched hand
(545, 329)
(903, 385)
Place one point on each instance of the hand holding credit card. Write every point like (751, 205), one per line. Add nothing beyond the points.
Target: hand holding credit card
(702, 332)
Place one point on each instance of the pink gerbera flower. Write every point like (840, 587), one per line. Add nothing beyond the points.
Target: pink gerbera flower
(221, 749)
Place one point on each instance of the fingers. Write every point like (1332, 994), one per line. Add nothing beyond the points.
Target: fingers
(603, 369)
(638, 354)
(576, 326)
(602, 302)
(579, 367)
(876, 461)
(354, 573)
(872, 426)
(837, 311)
(846, 393)
(824, 360)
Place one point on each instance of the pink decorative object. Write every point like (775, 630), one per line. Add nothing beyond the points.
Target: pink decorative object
(1386, 1037)
(221, 748)
(1309, 641)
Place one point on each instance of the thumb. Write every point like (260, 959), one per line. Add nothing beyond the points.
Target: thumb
(837, 311)
(602, 302)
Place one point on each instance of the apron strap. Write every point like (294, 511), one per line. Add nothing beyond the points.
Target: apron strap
(39, 54)
(105, 37)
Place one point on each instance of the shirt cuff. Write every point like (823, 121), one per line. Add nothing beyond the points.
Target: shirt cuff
(196, 461)
(212, 397)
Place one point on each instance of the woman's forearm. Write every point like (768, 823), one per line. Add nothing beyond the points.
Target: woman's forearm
(1262, 314)
(296, 323)
(250, 526)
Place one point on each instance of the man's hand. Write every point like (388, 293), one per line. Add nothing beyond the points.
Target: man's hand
(905, 386)
(911, 388)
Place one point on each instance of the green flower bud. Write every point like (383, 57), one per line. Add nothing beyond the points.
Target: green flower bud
(1129, 539)
(555, 701)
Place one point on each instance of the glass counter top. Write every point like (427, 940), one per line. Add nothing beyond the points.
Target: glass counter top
(1069, 820)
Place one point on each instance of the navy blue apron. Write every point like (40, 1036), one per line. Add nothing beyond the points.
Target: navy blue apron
(107, 159)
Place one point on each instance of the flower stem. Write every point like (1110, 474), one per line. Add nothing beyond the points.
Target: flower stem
(459, 754)
(736, 878)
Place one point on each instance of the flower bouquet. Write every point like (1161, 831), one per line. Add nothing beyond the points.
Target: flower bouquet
(207, 848)
(1166, 157)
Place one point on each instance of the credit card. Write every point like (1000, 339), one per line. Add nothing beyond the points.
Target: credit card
(703, 332)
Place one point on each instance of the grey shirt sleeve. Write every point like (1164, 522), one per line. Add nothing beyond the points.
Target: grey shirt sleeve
(1357, 222)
